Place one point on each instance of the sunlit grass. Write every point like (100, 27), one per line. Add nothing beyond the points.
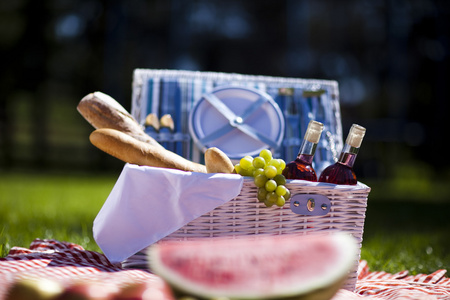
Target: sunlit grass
(417, 253)
(61, 207)
(407, 235)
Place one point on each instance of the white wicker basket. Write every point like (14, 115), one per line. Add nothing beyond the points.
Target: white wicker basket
(153, 92)
(245, 215)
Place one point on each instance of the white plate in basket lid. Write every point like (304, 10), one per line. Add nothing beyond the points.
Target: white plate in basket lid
(239, 121)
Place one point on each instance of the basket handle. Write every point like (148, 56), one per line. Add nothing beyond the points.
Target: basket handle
(310, 204)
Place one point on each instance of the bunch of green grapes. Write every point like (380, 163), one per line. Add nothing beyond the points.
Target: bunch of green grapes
(268, 177)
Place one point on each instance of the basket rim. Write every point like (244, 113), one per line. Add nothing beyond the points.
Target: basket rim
(358, 187)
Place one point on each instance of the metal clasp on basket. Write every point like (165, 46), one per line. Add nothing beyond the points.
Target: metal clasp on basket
(310, 204)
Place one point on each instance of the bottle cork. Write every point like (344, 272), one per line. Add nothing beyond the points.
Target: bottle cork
(313, 131)
(356, 135)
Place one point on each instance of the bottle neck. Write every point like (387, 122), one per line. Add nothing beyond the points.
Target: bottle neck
(348, 155)
(307, 151)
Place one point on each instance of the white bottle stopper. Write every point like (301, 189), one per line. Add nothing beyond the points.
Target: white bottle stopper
(356, 135)
(313, 131)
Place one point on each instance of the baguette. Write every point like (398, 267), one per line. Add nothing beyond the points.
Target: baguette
(133, 151)
(102, 111)
(217, 161)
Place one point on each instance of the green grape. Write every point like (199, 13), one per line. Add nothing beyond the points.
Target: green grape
(270, 185)
(248, 172)
(259, 162)
(280, 201)
(237, 168)
(262, 193)
(267, 176)
(271, 199)
(258, 171)
(282, 164)
(260, 180)
(287, 196)
(246, 162)
(268, 204)
(270, 171)
(266, 154)
(279, 171)
(274, 162)
(251, 170)
(281, 190)
(280, 179)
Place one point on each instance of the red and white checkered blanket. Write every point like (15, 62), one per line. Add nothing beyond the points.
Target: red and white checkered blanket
(66, 262)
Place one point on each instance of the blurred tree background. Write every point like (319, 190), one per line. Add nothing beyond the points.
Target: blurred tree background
(390, 57)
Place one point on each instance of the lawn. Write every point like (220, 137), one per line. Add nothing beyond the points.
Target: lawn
(51, 206)
(399, 234)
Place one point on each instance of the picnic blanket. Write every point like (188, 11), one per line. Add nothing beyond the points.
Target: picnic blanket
(67, 262)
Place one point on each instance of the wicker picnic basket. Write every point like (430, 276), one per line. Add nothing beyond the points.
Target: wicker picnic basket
(313, 208)
(245, 216)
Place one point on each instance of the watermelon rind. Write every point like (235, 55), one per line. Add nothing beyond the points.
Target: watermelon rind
(321, 283)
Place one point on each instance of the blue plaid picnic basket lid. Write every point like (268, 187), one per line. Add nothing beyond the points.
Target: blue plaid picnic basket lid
(180, 92)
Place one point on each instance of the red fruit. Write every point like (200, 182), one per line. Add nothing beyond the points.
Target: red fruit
(264, 268)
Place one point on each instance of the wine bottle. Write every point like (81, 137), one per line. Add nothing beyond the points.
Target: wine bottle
(342, 171)
(301, 167)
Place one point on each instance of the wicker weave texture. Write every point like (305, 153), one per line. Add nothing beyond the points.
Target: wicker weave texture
(246, 216)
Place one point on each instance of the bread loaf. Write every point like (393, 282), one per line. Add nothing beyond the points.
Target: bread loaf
(102, 111)
(133, 151)
(216, 161)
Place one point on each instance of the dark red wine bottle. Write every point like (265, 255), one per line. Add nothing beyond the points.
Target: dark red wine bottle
(342, 171)
(301, 167)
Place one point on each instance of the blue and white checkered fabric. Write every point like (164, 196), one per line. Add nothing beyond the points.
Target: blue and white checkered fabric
(175, 92)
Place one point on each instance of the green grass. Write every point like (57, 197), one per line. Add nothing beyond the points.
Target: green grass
(399, 234)
(407, 235)
(50, 206)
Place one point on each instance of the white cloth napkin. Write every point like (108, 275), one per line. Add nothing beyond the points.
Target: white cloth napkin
(147, 204)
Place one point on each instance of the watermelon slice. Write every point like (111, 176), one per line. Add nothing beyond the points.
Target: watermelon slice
(270, 267)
